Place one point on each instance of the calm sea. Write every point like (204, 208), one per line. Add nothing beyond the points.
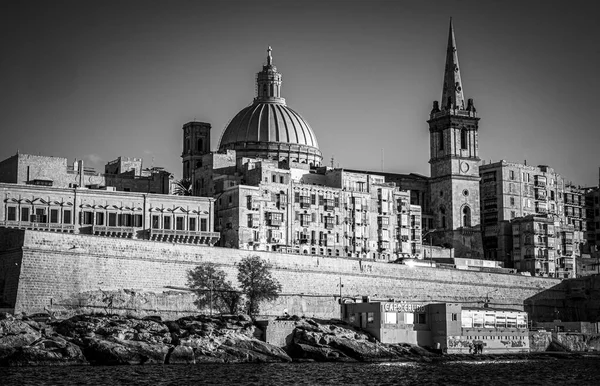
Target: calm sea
(580, 371)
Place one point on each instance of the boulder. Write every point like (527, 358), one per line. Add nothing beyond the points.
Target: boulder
(114, 351)
(47, 351)
(181, 355)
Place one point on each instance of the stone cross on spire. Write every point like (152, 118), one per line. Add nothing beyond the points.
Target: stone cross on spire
(452, 92)
(269, 57)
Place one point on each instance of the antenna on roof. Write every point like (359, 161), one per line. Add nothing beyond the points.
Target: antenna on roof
(332, 159)
(382, 159)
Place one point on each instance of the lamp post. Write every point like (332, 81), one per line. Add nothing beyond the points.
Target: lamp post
(341, 306)
(487, 298)
(211, 282)
(428, 233)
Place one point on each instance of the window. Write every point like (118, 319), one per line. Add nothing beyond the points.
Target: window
(24, 214)
(512, 214)
(281, 180)
(203, 224)
(137, 220)
(192, 225)
(441, 140)
(274, 178)
(199, 144)
(11, 213)
(463, 138)
(370, 317)
(422, 318)
(454, 317)
(249, 220)
(511, 174)
(155, 222)
(390, 318)
(100, 218)
(87, 218)
(466, 216)
(112, 219)
(66, 216)
(275, 218)
(179, 221)
(313, 199)
(126, 219)
(512, 201)
(167, 222)
(40, 214)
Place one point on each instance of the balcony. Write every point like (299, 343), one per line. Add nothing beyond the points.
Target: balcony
(184, 237)
(39, 226)
(114, 231)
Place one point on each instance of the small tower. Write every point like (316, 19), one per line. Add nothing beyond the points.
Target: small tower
(454, 162)
(196, 143)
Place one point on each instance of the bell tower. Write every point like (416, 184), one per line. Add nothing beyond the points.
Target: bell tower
(196, 143)
(454, 162)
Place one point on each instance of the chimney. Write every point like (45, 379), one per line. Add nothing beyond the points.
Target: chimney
(80, 167)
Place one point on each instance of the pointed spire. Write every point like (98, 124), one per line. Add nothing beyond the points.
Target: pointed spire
(452, 92)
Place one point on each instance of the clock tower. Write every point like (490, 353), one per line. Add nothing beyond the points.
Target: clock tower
(454, 164)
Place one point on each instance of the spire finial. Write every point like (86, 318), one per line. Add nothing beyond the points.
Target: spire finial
(452, 93)
(269, 57)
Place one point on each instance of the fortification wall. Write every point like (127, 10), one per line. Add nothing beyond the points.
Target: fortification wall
(70, 270)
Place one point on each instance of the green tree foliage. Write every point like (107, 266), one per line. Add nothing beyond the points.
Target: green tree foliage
(256, 283)
(182, 187)
(205, 279)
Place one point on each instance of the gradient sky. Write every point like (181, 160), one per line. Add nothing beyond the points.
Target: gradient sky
(100, 79)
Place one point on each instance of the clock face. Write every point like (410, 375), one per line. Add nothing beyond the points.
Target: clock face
(464, 167)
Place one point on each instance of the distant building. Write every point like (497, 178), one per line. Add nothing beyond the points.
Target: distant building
(544, 246)
(123, 174)
(511, 190)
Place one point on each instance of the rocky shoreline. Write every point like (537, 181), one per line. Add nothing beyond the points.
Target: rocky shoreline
(119, 340)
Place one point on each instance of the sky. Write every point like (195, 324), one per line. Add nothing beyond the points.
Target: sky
(96, 80)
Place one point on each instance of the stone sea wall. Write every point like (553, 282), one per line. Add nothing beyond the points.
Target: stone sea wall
(65, 271)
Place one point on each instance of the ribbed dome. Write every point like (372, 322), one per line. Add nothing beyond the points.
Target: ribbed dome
(268, 128)
(268, 122)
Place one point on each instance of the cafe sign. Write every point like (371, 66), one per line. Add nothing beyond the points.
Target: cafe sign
(403, 307)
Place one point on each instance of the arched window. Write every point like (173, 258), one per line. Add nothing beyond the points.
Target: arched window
(200, 145)
(466, 216)
(463, 139)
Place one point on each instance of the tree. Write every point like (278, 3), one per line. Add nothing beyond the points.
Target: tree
(212, 290)
(257, 283)
(182, 187)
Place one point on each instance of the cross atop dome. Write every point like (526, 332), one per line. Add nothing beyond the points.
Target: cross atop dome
(269, 57)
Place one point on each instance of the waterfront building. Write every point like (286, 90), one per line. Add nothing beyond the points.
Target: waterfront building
(450, 327)
(41, 201)
(592, 213)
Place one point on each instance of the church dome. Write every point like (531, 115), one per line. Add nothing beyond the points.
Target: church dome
(269, 128)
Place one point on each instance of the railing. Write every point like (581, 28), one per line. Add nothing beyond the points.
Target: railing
(56, 227)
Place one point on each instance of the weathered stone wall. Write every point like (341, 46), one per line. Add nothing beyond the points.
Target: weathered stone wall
(58, 268)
